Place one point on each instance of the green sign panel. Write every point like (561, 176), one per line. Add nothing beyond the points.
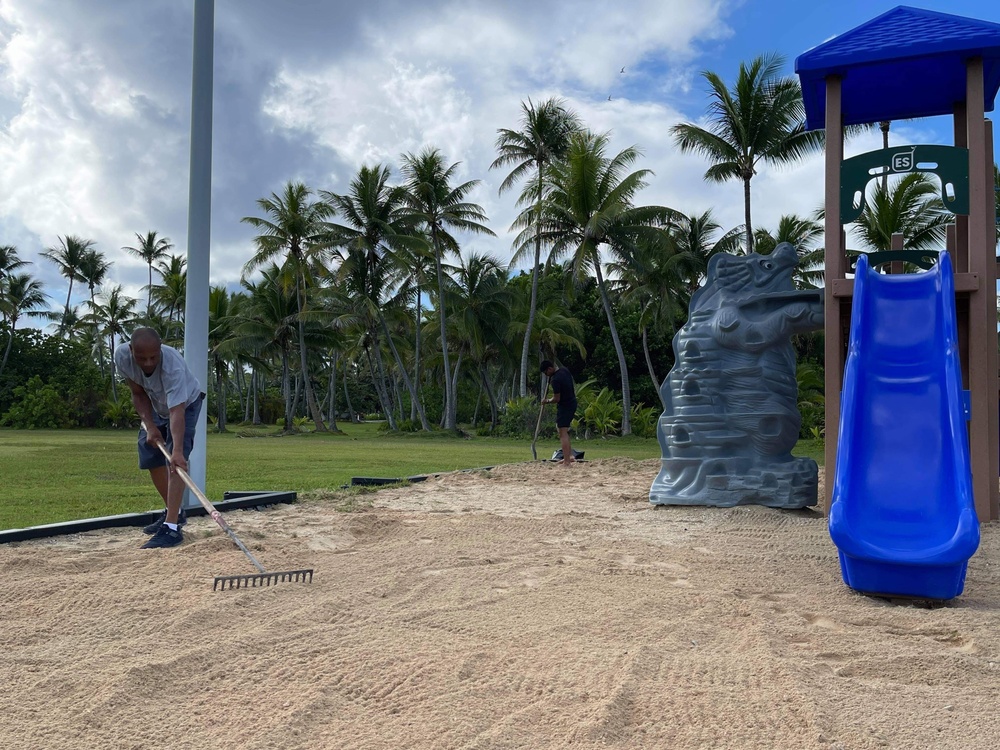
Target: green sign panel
(949, 163)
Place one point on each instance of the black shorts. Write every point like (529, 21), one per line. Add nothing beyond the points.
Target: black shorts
(565, 413)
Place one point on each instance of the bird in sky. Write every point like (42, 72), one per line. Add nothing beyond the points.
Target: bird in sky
(622, 71)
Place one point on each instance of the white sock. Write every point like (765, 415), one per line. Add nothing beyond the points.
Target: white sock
(171, 526)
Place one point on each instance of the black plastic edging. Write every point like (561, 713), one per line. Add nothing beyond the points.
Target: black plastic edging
(380, 481)
(239, 501)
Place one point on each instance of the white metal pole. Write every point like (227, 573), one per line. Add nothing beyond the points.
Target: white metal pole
(199, 225)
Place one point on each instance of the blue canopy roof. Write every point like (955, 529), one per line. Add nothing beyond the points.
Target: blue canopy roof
(906, 63)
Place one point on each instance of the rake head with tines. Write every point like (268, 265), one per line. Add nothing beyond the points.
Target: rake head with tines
(252, 580)
(261, 579)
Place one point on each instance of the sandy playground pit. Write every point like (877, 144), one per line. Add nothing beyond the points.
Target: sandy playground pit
(528, 607)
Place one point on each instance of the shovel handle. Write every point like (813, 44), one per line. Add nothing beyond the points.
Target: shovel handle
(207, 505)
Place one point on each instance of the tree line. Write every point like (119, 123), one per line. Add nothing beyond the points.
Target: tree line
(367, 294)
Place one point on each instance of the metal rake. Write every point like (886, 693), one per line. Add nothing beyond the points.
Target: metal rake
(250, 580)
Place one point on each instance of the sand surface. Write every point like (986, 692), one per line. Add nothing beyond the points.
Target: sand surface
(527, 607)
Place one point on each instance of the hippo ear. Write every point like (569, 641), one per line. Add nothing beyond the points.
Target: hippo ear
(713, 266)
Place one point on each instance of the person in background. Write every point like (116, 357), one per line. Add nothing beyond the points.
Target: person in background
(564, 397)
(168, 398)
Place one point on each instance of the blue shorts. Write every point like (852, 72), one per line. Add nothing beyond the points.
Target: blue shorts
(150, 457)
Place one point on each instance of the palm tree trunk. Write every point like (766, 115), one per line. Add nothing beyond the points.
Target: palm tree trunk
(534, 289)
(255, 382)
(649, 365)
(416, 370)
(494, 410)
(297, 395)
(414, 398)
(454, 390)
(100, 339)
(251, 389)
(114, 385)
(479, 400)
(331, 414)
(69, 294)
(149, 293)
(10, 343)
(286, 382)
(623, 369)
(220, 394)
(746, 208)
(347, 398)
(449, 395)
(378, 377)
(314, 412)
(396, 389)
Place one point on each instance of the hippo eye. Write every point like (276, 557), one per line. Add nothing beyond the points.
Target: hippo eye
(767, 265)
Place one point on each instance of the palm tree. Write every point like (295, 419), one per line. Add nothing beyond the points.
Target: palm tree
(420, 262)
(270, 326)
(114, 311)
(697, 239)
(590, 205)
(150, 249)
(93, 270)
(69, 255)
(542, 139)
(224, 314)
(652, 279)
(21, 294)
(910, 205)
(373, 232)
(9, 260)
(438, 207)
(554, 330)
(761, 118)
(480, 302)
(172, 292)
(295, 227)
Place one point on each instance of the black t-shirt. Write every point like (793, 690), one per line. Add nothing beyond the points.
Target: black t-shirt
(562, 383)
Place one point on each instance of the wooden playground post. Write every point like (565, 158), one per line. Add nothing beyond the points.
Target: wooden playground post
(836, 263)
(984, 422)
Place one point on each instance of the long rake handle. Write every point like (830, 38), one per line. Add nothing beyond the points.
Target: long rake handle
(207, 505)
(538, 422)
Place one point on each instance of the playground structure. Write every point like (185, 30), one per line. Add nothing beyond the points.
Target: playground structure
(730, 417)
(902, 514)
(901, 503)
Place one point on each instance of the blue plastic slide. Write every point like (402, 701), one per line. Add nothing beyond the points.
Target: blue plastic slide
(902, 514)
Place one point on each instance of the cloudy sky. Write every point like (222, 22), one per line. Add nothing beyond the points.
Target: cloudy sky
(95, 103)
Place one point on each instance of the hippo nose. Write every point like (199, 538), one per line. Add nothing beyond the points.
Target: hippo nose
(785, 254)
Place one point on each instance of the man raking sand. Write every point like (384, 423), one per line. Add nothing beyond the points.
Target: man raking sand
(168, 398)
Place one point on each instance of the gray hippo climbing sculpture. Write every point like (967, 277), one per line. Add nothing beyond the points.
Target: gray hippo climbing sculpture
(731, 417)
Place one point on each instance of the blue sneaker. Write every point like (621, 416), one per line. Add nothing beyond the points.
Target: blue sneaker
(165, 537)
(155, 525)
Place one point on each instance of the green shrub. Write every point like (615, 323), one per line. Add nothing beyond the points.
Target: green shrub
(520, 415)
(812, 399)
(599, 415)
(120, 415)
(644, 419)
(38, 406)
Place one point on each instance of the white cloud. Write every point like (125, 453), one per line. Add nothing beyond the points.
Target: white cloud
(94, 107)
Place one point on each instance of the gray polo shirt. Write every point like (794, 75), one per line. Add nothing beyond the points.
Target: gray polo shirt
(171, 384)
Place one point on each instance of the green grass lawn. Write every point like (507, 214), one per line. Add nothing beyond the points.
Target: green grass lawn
(47, 476)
